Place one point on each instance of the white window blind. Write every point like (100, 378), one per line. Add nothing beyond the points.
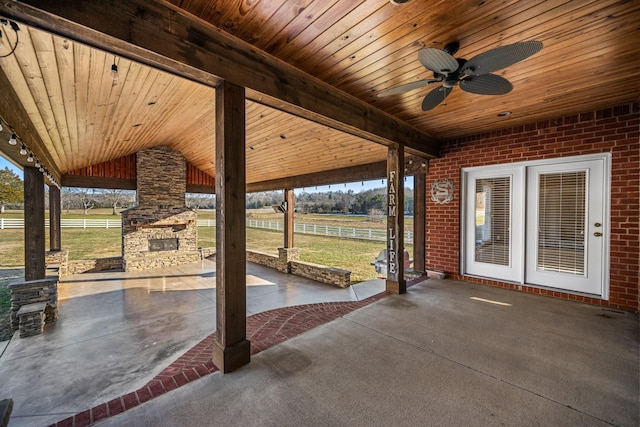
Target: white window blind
(562, 215)
(493, 216)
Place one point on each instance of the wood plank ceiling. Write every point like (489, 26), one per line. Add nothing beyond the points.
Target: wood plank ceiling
(589, 61)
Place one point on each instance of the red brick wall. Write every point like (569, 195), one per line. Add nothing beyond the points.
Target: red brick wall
(613, 130)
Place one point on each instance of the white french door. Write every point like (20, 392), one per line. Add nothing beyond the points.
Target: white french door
(566, 226)
(541, 223)
(494, 201)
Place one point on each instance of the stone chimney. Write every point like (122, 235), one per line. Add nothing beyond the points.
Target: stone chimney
(160, 231)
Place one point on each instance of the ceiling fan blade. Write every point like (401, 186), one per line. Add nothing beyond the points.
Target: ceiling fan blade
(435, 97)
(437, 61)
(486, 84)
(500, 57)
(407, 87)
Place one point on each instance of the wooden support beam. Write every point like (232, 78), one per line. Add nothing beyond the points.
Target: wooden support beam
(55, 207)
(288, 218)
(201, 188)
(33, 224)
(419, 221)
(16, 116)
(395, 282)
(81, 181)
(231, 348)
(164, 36)
(378, 170)
(336, 176)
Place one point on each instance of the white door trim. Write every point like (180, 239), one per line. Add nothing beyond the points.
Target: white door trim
(606, 183)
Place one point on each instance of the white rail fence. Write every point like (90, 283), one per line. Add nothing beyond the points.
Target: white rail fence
(314, 229)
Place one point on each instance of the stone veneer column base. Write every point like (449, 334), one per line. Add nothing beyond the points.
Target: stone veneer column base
(231, 357)
(394, 287)
(285, 255)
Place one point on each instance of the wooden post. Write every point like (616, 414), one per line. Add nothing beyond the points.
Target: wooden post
(288, 218)
(395, 282)
(55, 242)
(419, 221)
(231, 349)
(33, 224)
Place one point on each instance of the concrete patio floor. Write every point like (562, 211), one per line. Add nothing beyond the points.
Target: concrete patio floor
(445, 353)
(118, 330)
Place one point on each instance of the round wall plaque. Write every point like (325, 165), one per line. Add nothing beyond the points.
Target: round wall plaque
(442, 191)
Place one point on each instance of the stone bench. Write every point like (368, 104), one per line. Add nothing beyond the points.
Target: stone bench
(42, 291)
(31, 319)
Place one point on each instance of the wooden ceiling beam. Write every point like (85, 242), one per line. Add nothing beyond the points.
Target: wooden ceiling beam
(83, 181)
(378, 170)
(15, 116)
(366, 172)
(161, 35)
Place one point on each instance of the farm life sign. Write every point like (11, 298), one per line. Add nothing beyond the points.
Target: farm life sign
(392, 223)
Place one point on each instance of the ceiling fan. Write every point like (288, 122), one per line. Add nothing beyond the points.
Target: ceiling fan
(472, 76)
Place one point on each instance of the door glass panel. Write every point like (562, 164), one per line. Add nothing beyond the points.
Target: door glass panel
(561, 221)
(492, 218)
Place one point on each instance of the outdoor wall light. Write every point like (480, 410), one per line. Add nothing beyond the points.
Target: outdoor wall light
(13, 140)
(30, 158)
(23, 150)
(37, 164)
(114, 70)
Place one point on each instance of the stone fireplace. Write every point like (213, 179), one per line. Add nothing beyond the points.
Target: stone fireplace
(160, 231)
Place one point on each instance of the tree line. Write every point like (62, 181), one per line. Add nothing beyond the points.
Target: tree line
(332, 202)
(329, 202)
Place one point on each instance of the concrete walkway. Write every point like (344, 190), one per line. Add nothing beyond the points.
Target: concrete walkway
(117, 331)
(446, 353)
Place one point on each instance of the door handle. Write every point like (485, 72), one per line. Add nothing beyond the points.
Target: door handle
(597, 234)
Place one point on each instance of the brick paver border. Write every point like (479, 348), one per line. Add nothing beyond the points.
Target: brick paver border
(264, 330)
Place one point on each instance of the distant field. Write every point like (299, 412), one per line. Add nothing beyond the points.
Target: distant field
(358, 221)
(353, 255)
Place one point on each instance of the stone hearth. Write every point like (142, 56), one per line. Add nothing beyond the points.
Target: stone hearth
(160, 231)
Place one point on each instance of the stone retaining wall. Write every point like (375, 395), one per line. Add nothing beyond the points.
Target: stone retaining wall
(320, 273)
(262, 258)
(286, 262)
(94, 265)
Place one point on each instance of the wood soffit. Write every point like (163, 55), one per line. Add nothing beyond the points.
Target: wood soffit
(312, 69)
